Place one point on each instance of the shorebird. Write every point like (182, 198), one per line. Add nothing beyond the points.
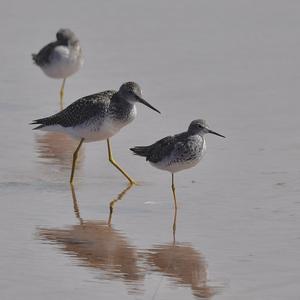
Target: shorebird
(60, 59)
(177, 152)
(97, 117)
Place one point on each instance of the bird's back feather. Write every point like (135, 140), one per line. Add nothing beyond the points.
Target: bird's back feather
(157, 151)
(44, 55)
(80, 111)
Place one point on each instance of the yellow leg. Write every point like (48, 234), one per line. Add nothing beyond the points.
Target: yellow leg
(173, 190)
(62, 94)
(75, 155)
(111, 159)
(113, 202)
(75, 205)
(175, 207)
(174, 225)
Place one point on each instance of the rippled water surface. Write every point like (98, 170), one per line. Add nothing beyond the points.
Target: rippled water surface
(233, 63)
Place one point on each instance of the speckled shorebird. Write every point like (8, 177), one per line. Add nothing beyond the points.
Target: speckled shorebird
(97, 117)
(177, 152)
(60, 59)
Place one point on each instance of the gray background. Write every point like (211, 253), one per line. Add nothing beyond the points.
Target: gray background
(233, 63)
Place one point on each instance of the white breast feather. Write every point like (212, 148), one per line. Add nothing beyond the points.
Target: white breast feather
(64, 63)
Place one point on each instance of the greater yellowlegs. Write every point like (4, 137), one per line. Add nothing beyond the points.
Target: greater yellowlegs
(60, 59)
(97, 117)
(178, 152)
(184, 264)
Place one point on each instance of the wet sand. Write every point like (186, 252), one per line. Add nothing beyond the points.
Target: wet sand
(232, 63)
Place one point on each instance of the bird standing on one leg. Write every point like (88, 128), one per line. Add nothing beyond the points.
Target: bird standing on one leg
(97, 117)
(60, 59)
(178, 152)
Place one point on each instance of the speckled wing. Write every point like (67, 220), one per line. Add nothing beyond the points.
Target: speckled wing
(81, 111)
(157, 151)
(161, 149)
(168, 146)
(44, 55)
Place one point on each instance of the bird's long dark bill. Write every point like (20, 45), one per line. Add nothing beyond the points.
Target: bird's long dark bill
(213, 132)
(147, 104)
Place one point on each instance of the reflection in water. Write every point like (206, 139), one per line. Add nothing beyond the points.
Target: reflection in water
(114, 201)
(174, 224)
(182, 263)
(96, 244)
(56, 148)
(99, 246)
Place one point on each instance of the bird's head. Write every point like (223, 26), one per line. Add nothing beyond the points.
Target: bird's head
(131, 92)
(200, 127)
(64, 36)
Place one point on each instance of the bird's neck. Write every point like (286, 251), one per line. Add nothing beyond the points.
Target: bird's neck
(196, 136)
(128, 109)
(118, 98)
(74, 43)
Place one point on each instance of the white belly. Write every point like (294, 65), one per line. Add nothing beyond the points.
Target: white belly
(171, 163)
(175, 167)
(107, 130)
(64, 63)
(90, 133)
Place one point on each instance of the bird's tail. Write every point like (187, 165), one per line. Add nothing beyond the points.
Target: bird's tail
(41, 123)
(141, 150)
(34, 58)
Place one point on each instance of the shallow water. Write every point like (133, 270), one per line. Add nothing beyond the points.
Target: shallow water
(234, 63)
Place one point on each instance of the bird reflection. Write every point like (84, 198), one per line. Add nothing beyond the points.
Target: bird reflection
(174, 224)
(182, 263)
(56, 148)
(98, 245)
(114, 201)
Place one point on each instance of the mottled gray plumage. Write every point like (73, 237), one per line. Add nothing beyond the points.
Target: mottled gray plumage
(97, 117)
(177, 152)
(81, 110)
(64, 37)
(116, 105)
(182, 145)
